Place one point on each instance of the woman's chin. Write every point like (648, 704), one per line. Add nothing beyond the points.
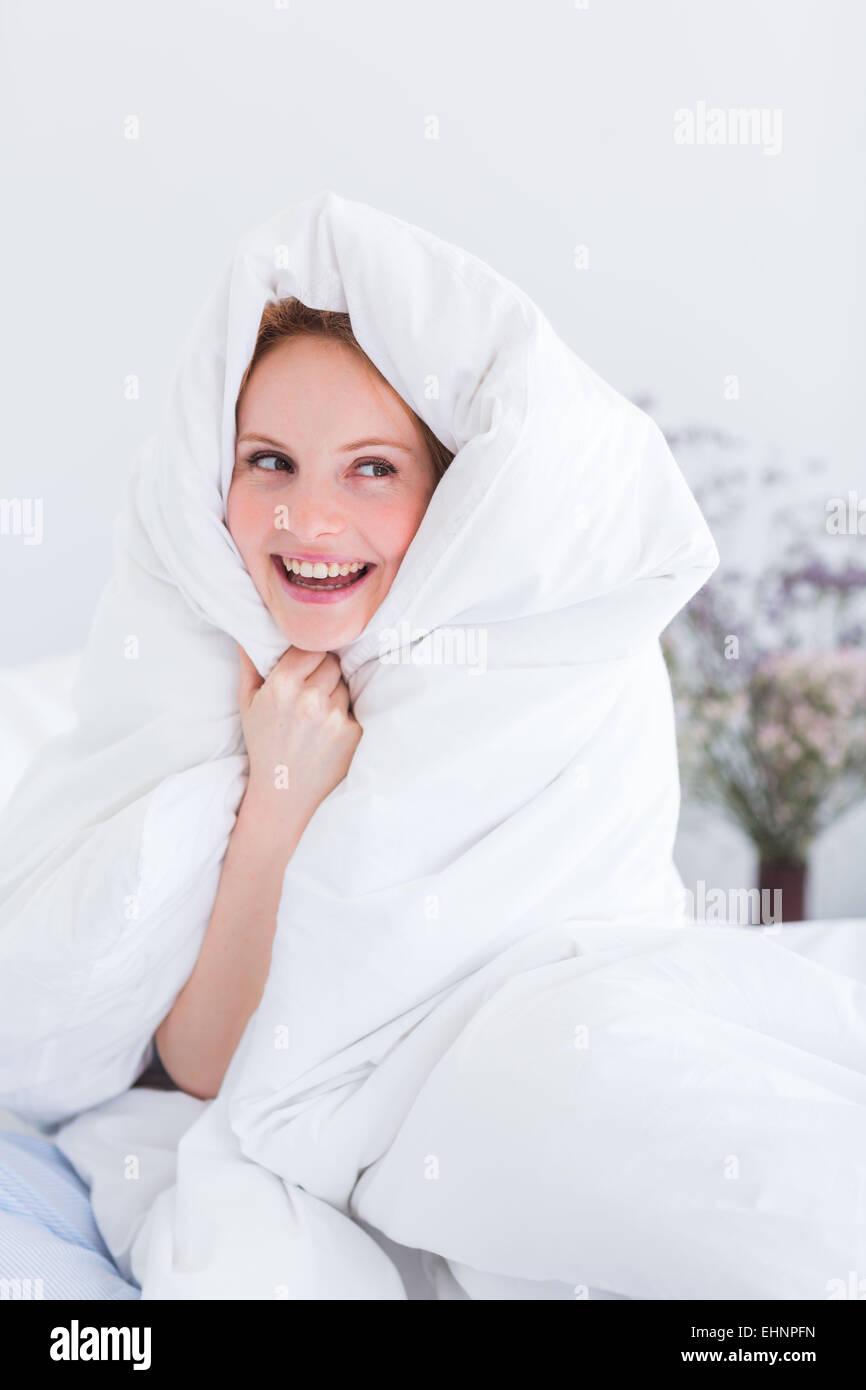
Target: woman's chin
(319, 628)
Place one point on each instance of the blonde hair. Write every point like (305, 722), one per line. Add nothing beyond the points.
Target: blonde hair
(289, 318)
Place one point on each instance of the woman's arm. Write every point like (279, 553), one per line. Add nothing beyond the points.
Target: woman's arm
(197, 1039)
(300, 739)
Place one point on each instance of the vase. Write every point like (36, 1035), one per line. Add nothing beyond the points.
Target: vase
(785, 886)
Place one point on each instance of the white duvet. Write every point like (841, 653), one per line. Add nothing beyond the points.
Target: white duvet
(488, 1042)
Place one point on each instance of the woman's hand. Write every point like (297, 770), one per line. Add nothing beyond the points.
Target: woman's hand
(299, 731)
(300, 738)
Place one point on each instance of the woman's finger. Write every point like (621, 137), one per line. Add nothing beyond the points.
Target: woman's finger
(327, 674)
(297, 663)
(340, 695)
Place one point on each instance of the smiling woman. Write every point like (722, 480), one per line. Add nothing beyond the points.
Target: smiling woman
(333, 474)
(321, 526)
(408, 941)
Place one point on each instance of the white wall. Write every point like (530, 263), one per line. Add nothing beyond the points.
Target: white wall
(555, 129)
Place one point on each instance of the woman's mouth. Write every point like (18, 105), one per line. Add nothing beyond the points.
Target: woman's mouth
(321, 581)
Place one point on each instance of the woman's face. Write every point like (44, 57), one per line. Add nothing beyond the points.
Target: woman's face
(330, 469)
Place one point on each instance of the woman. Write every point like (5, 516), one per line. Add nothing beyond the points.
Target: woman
(314, 377)
(381, 855)
(311, 394)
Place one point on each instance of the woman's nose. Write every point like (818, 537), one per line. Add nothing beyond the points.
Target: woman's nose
(313, 511)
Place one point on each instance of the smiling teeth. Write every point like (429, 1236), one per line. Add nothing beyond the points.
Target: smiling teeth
(308, 570)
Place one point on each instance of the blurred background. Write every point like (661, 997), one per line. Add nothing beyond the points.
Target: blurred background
(680, 186)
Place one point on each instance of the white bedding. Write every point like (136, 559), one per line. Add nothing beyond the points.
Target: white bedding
(34, 706)
(486, 1035)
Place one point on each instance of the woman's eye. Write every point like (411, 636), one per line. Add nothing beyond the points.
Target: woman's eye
(272, 463)
(387, 468)
(275, 463)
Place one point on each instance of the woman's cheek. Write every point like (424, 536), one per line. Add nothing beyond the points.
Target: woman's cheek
(392, 527)
(244, 521)
(232, 515)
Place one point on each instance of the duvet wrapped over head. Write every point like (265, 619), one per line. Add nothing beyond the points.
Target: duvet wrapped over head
(517, 768)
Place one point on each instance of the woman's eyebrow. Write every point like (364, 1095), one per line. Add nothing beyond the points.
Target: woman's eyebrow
(384, 443)
(358, 443)
(262, 438)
